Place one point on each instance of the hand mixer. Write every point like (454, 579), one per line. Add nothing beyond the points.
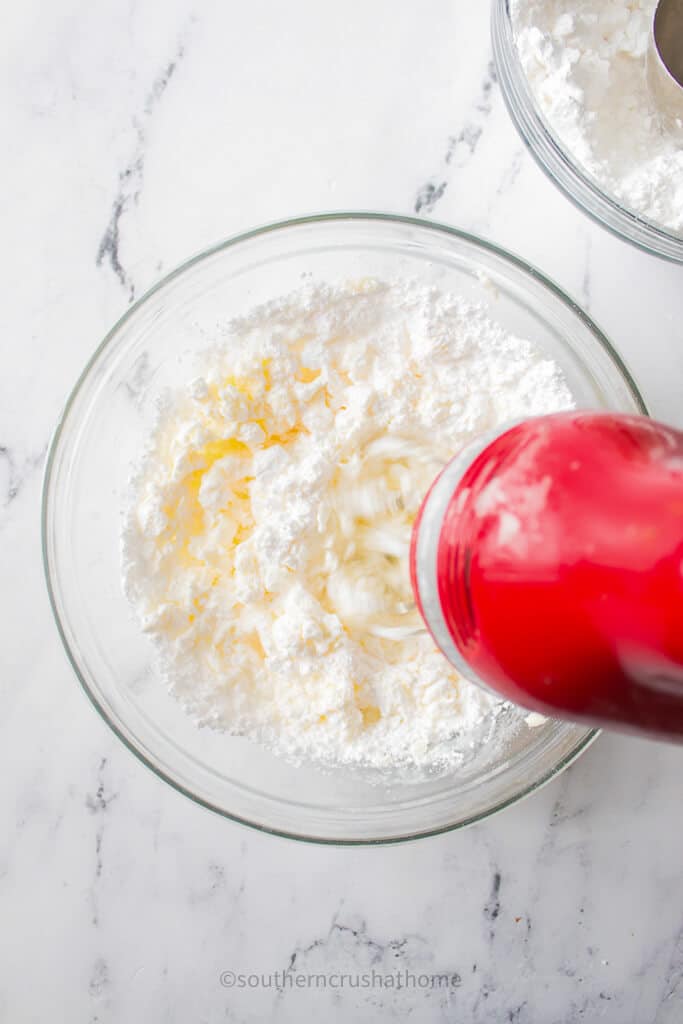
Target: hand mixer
(547, 563)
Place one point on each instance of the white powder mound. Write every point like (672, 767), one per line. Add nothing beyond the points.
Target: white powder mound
(271, 519)
(586, 65)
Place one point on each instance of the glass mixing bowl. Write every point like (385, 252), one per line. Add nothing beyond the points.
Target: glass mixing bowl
(103, 430)
(557, 163)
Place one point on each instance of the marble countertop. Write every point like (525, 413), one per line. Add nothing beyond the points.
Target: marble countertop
(135, 134)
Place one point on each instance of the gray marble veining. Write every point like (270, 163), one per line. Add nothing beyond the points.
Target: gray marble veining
(130, 180)
(462, 145)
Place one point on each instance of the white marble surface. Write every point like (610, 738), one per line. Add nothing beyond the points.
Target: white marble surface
(134, 134)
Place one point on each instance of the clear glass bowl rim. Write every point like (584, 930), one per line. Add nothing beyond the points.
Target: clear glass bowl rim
(556, 164)
(337, 216)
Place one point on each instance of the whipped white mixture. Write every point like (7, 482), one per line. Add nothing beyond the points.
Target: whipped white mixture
(271, 519)
(586, 65)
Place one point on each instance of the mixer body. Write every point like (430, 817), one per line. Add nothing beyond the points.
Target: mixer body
(548, 565)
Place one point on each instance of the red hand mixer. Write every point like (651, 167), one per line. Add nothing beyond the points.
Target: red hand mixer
(547, 563)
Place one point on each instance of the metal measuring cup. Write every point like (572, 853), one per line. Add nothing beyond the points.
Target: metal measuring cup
(665, 62)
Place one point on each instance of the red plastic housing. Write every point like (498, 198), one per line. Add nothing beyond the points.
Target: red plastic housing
(560, 569)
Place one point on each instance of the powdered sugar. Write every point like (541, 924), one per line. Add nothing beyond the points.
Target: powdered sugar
(271, 517)
(586, 65)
